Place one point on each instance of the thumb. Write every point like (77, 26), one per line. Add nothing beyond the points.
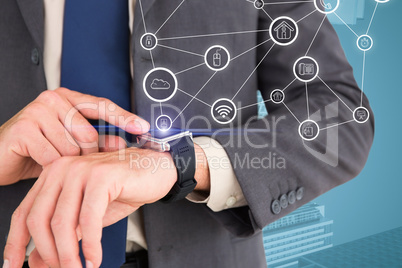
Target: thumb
(110, 143)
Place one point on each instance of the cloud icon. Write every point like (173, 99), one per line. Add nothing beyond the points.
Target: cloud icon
(160, 84)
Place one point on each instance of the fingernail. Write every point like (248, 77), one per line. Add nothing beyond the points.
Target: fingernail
(89, 264)
(6, 264)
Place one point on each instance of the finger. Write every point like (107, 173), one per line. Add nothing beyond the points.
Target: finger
(93, 209)
(82, 132)
(38, 148)
(57, 135)
(111, 143)
(65, 222)
(40, 217)
(19, 236)
(35, 261)
(106, 110)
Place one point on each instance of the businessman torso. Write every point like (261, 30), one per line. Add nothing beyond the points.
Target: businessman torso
(23, 78)
(185, 234)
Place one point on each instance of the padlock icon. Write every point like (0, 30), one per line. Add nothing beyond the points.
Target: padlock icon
(217, 58)
(148, 41)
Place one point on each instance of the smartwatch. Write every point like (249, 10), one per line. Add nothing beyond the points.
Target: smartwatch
(181, 148)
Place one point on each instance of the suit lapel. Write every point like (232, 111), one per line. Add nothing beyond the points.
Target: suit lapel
(32, 12)
(145, 5)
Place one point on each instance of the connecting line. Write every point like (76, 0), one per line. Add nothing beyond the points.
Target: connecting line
(250, 49)
(291, 112)
(372, 17)
(346, 24)
(199, 65)
(185, 107)
(363, 74)
(315, 36)
(289, 84)
(267, 14)
(163, 24)
(160, 105)
(261, 102)
(337, 125)
(312, 12)
(308, 107)
(211, 35)
(182, 91)
(152, 59)
(248, 78)
(181, 50)
(293, 2)
(142, 15)
(335, 93)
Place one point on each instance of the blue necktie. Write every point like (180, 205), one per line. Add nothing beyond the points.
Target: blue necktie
(96, 61)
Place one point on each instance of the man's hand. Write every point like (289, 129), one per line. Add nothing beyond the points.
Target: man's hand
(75, 197)
(54, 125)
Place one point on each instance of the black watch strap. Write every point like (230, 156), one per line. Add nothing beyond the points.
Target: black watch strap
(182, 152)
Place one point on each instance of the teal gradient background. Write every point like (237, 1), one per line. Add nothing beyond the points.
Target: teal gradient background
(372, 203)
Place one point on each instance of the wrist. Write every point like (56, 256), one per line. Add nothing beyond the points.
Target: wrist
(202, 175)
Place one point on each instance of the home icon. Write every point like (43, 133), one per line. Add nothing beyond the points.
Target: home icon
(284, 31)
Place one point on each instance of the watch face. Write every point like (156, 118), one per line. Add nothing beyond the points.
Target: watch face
(147, 141)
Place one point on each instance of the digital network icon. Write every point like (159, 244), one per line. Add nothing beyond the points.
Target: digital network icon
(326, 6)
(217, 58)
(259, 4)
(284, 31)
(306, 69)
(223, 111)
(365, 42)
(149, 41)
(163, 123)
(160, 84)
(361, 115)
(309, 130)
(277, 96)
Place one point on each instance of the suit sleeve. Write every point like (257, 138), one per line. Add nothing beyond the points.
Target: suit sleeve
(287, 163)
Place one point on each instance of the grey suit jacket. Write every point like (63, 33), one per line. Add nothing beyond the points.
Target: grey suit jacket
(184, 234)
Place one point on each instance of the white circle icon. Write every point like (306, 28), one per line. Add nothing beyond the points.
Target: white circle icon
(160, 84)
(364, 42)
(149, 41)
(277, 96)
(217, 58)
(163, 122)
(223, 111)
(283, 31)
(361, 115)
(326, 6)
(309, 130)
(382, 1)
(259, 4)
(306, 69)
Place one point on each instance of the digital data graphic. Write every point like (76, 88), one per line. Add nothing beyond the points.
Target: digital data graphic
(160, 84)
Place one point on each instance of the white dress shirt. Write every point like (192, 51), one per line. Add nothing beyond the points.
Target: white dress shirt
(225, 190)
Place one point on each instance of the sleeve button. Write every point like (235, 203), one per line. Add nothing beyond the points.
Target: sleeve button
(300, 193)
(276, 207)
(284, 201)
(292, 197)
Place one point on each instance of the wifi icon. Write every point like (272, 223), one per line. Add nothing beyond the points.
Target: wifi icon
(223, 111)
